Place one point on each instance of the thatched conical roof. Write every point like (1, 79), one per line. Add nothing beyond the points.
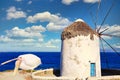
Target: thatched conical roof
(78, 28)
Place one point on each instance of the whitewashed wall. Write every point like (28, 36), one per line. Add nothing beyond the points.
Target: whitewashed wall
(77, 54)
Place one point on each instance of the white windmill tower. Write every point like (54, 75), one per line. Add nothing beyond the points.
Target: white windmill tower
(80, 48)
(80, 51)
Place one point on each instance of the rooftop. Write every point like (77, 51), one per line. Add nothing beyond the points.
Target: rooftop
(79, 27)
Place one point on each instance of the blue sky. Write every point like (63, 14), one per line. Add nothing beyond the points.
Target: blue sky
(36, 25)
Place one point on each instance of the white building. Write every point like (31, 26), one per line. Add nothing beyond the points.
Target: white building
(80, 51)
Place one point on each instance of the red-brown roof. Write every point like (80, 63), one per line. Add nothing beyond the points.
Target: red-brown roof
(77, 28)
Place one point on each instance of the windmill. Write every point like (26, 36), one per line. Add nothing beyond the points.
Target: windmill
(101, 31)
(80, 48)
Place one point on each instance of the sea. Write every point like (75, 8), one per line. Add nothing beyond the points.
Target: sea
(109, 60)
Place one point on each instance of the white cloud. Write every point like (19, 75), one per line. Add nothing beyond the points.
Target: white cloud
(12, 13)
(11, 9)
(47, 17)
(54, 27)
(41, 40)
(53, 43)
(21, 39)
(28, 40)
(68, 2)
(106, 37)
(18, 0)
(114, 30)
(30, 2)
(5, 39)
(34, 28)
(55, 21)
(91, 1)
(28, 32)
(111, 30)
(117, 45)
(50, 45)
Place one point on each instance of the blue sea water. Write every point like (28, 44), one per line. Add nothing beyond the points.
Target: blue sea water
(52, 60)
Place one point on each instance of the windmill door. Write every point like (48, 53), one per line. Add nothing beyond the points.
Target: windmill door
(92, 69)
